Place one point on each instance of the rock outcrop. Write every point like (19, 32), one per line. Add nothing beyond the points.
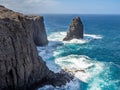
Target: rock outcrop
(40, 36)
(20, 65)
(75, 30)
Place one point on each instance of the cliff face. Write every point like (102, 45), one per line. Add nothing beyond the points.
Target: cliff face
(40, 36)
(75, 30)
(20, 65)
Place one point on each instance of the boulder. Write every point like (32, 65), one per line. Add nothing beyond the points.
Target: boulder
(75, 30)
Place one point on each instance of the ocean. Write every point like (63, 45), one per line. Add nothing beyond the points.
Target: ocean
(98, 54)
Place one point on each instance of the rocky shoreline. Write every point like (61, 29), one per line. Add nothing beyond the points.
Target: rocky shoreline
(20, 66)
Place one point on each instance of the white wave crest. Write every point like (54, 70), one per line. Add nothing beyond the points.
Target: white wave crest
(80, 66)
(93, 36)
(58, 36)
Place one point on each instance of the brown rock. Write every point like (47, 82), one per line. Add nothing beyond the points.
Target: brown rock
(75, 30)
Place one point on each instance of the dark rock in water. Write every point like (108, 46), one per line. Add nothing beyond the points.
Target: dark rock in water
(58, 79)
(75, 30)
(20, 65)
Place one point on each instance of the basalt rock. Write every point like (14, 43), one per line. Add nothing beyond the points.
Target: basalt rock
(75, 30)
(20, 66)
(40, 36)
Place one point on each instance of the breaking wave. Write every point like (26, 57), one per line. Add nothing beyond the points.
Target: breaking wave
(58, 36)
(84, 68)
(80, 66)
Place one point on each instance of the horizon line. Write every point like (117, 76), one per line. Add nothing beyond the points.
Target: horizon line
(71, 14)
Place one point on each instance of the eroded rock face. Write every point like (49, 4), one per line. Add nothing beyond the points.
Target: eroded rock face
(20, 66)
(40, 36)
(75, 30)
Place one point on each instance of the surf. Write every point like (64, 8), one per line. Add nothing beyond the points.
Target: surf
(58, 36)
(78, 65)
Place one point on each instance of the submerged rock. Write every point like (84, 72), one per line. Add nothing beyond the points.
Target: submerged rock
(75, 30)
(20, 65)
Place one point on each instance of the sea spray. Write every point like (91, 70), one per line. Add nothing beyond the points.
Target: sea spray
(58, 36)
(101, 44)
(79, 64)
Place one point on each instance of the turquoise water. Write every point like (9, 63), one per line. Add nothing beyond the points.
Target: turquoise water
(98, 54)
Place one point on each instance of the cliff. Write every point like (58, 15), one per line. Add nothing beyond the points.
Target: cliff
(75, 30)
(20, 65)
(39, 35)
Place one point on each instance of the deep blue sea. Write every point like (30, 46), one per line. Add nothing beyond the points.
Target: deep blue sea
(98, 54)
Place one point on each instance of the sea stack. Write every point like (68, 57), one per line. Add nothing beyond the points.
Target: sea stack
(20, 66)
(75, 30)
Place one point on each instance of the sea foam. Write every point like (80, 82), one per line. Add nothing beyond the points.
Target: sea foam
(80, 65)
(58, 36)
(49, 53)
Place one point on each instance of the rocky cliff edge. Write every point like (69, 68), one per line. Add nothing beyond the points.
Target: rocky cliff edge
(20, 66)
